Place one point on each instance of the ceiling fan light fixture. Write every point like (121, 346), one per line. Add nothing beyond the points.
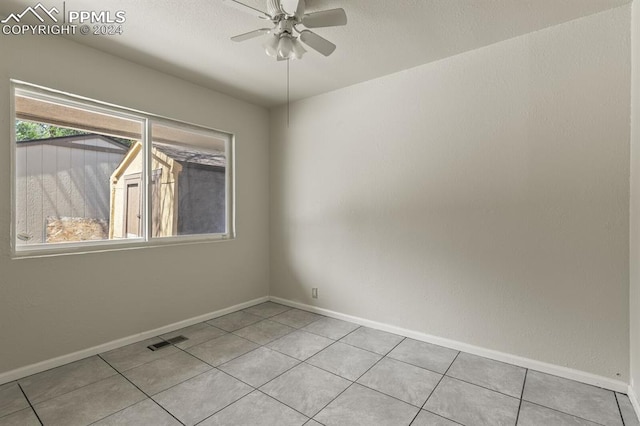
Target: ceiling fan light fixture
(285, 46)
(298, 50)
(271, 46)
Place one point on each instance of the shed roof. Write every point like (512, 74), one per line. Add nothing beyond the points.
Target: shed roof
(191, 155)
(78, 141)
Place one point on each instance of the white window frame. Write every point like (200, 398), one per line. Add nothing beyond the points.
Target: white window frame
(147, 120)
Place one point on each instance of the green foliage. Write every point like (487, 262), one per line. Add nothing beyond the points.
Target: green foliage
(30, 130)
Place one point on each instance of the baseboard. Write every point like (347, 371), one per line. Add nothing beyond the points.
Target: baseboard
(28, 370)
(633, 397)
(568, 373)
(580, 376)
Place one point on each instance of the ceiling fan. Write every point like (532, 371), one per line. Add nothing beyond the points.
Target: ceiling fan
(284, 38)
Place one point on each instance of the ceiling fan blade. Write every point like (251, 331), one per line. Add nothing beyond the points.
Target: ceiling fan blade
(251, 34)
(293, 7)
(302, 6)
(326, 18)
(273, 8)
(247, 9)
(317, 43)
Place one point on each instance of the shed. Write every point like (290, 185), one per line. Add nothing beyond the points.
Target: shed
(64, 180)
(188, 192)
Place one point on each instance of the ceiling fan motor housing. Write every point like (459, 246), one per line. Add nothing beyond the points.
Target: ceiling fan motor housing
(284, 26)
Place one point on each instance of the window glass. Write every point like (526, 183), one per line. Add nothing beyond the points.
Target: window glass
(65, 158)
(189, 184)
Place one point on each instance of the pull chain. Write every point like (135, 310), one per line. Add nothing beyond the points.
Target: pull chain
(288, 100)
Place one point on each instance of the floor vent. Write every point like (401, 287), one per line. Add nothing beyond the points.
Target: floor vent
(177, 339)
(167, 342)
(158, 345)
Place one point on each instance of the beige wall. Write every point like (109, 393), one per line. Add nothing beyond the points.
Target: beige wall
(635, 198)
(482, 198)
(54, 306)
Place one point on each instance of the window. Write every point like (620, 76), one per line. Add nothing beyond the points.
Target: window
(89, 175)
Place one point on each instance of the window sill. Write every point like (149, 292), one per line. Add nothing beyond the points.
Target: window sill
(69, 249)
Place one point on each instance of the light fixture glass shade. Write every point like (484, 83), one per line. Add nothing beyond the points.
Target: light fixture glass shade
(271, 46)
(285, 47)
(298, 50)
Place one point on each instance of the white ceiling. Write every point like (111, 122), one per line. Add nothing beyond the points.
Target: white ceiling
(190, 38)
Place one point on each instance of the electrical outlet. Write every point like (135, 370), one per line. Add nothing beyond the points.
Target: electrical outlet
(314, 293)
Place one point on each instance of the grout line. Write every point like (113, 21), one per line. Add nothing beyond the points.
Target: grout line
(29, 402)
(229, 404)
(359, 377)
(353, 331)
(437, 415)
(258, 322)
(121, 410)
(226, 362)
(327, 371)
(293, 326)
(301, 360)
(283, 403)
(298, 362)
(208, 371)
(483, 387)
(419, 366)
(330, 338)
(564, 378)
(270, 316)
(334, 319)
(232, 402)
(436, 387)
(231, 331)
(453, 377)
(615, 395)
(562, 412)
(281, 374)
(390, 396)
(246, 353)
(253, 388)
(75, 389)
(363, 349)
(323, 369)
(183, 381)
(139, 365)
(524, 383)
(143, 392)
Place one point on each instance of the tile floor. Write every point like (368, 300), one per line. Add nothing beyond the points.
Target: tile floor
(273, 365)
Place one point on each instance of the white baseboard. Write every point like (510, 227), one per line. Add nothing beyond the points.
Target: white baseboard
(565, 372)
(28, 370)
(633, 397)
(568, 373)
